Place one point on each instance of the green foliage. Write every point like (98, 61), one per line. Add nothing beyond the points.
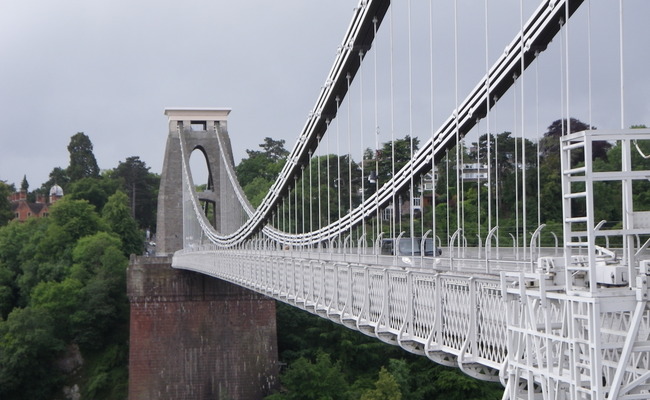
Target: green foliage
(319, 380)
(24, 185)
(59, 300)
(386, 388)
(456, 386)
(58, 176)
(28, 347)
(62, 281)
(69, 221)
(108, 374)
(257, 173)
(82, 160)
(303, 337)
(5, 206)
(258, 165)
(95, 190)
(398, 151)
(99, 263)
(117, 216)
(141, 187)
(93, 253)
(77, 218)
(256, 190)
(18, 242)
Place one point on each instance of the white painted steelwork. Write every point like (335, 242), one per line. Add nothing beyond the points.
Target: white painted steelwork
(453, 318)
(571, 325)
(538, 31)
(545, 326)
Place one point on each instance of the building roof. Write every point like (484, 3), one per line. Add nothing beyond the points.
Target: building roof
(56, 190)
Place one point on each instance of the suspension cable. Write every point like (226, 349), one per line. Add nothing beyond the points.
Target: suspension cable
(589, 59)
(318, 182)
(433, 166)
(568, 73)
(478, 182)
(361, 134)
(349, 154)
(523, 128)
(496, 173)
(329, 180)
(448, 239)
(457, 127)
(392, 124)
(514, 137)
(411, 183)
(621, 61)
(311, 195)
(487, 116)
(302, 193)
(537, 128)
(562, 79)
(338, 155)
(376, 155)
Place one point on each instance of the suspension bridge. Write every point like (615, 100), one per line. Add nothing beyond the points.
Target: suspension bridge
(398, 250)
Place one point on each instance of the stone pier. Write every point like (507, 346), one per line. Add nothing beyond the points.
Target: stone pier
(197, 337)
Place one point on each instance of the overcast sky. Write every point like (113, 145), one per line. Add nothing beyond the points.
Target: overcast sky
(109, 68)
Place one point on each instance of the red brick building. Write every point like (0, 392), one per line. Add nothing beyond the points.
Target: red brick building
(23, 209)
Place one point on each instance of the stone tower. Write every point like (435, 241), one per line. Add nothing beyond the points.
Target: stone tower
(205, 130)
(194, 337)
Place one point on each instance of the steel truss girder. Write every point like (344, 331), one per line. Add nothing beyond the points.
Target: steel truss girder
(575, 346)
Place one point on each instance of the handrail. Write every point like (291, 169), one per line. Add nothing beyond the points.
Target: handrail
(488, 247)
(533, 245)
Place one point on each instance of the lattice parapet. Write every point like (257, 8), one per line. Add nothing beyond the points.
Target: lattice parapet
(447, 317)
(563, 346)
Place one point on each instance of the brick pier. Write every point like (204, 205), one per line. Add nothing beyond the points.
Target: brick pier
(197, 337)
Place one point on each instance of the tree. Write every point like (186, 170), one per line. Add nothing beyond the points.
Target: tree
(82, 160)
(117, 215)
(5, 206)
(141, 187)
(257, 173)
(550, 165)
(394, 155)
(453, 385)
(256, 190)
(58, 176)
(24, 185)
(60, 300)
(99, 263)
(273, 149)
(69, 221)
(386, 388)
(305, 380)
(266, 164)
(89, 255)
(95, 190)
(17, 243)
(29, 345)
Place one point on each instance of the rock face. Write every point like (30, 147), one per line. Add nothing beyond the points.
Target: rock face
(197, 337)
(72, 392)
(71, 360)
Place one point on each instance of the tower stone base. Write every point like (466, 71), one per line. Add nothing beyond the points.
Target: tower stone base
(197, 337)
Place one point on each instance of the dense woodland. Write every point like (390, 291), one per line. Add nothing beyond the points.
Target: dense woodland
(62, 278)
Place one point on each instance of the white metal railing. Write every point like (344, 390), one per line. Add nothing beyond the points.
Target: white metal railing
(456, 317)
